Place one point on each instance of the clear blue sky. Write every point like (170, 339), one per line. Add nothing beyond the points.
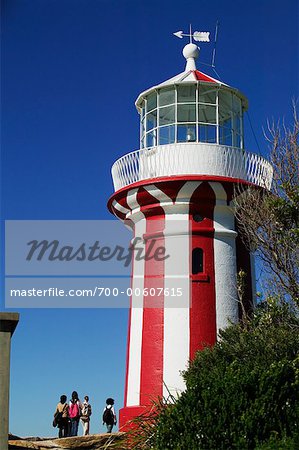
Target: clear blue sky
(71, 71)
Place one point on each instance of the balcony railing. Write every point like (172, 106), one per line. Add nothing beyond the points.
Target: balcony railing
(191, 159)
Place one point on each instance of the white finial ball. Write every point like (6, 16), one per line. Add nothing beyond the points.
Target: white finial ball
(191, 51)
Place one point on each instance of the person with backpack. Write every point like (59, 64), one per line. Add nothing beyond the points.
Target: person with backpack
(61, 417)
(74, 414)
(85, 415)
(109, 416)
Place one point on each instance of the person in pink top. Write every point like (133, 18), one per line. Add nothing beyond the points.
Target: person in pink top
(74, 414)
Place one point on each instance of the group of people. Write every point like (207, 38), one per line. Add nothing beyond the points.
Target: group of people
(68, 415)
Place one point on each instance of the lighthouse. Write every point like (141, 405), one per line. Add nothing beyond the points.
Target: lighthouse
(177, 194)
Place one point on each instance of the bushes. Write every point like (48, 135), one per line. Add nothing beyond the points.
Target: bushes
(241, 394)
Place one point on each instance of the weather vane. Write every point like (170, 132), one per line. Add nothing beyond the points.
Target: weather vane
(201, 36)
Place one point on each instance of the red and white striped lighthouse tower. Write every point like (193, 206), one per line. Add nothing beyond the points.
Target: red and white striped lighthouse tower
(177, 193)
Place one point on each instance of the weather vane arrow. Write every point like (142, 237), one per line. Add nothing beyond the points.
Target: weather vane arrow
(198, 36)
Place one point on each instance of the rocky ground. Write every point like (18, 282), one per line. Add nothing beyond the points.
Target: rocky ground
(93, 442)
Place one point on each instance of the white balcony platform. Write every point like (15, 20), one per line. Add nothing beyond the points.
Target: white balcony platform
(191, 159)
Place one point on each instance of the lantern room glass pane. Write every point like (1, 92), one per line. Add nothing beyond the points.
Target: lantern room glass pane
(167, 135)
(151, 102)
(225, 106)
(186, 113)
(207, 133)
(207, 95)
(166, 115)
(236, 104)
(225, 134)
(151, 140)
(207, 114)
(151, 120)
(186, 94)
(237, 124)
(166, 96)
(237, 140)
(186, 133)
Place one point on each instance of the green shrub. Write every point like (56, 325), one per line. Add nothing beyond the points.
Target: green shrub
(241, 394)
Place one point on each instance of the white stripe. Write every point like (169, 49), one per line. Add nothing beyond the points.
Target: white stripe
(176, 309)
(132, 199)
(158, 194)
(119, 207)
(176, 346)
(134, 205)
(134, 360)
(186, 191)
(225, 260)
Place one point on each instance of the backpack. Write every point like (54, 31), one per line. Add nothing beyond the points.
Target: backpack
(57, 419)
(86, 410)
(74, 410)
(108, 416)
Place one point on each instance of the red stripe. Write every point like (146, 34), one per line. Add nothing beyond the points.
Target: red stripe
(152, 336)
(203, 297)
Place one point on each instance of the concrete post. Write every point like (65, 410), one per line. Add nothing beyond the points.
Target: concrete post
(8, 323)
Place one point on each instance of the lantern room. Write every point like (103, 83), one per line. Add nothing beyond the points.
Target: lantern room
(191, 125)
(191, 107)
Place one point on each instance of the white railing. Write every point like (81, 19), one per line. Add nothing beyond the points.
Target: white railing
(191, 159)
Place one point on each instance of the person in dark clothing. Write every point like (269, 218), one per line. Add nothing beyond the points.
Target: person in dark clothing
(109, 416)
(61, 417)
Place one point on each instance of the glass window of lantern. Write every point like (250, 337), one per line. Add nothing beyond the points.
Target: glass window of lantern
(166, 115)
(236, 130)
(142, 142)
(151, 139)
(236, 105)
(186, 94)
(207, 94)
(167, 135)
(151, 102)
(186, 133)
(225, 135)
(207, 133)
(167, 96)
(211, 119)
(206, 113)
(225, 106)
(186, 113)
(151, 120)
(225, 118)
(237, 140)
(236, 117)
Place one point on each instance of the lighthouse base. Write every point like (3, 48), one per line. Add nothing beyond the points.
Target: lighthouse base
(127, 414)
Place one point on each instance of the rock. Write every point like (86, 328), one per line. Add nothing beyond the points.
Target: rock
(12, 437)
(19, 444)
(92, 442)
